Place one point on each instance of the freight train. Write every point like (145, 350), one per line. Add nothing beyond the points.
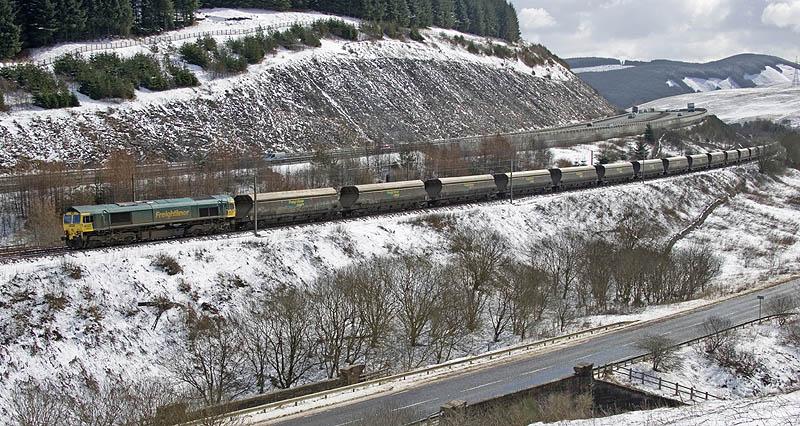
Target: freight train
(125, 223)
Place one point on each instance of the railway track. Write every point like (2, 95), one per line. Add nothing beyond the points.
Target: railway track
(19, 252)
(618, 125)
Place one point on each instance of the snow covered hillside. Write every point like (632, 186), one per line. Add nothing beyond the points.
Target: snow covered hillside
(776, 103)
(338, 94)
(627, 83)
(773, 410)
(58, 325)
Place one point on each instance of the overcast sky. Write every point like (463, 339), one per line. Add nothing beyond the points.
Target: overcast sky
(692, 30)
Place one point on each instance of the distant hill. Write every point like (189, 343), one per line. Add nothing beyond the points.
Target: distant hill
(627, 83)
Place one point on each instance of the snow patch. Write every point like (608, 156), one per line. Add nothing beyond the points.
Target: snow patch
(601, 68)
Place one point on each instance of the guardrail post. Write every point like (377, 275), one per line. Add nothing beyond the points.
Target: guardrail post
(691, 393)
(630, 375)
(677, 392)
(643, 377)
(659, 383)
(706, 395)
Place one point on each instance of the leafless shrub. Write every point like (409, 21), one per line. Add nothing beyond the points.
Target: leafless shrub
(167, 263)
(719, 335)
(231, 280)
(781, 305)
(561, 406)
(661, 349)
(437, 221)
(56, 302)
(742, 362)
(72, 269)
(792, 333)
(552, 408)
(32, 404)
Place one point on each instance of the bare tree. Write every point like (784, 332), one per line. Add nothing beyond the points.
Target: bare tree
(662, 351)
(719, 333)
(560, 256)
(700, 265)
(254, 328)
(597, 270)
(372, 285)
(447, 327)
(211, 364)
(529, 298)
(563, 313)
(289, 338)
(416, 290)
(500, 306)
(339, 329)
(479, 254)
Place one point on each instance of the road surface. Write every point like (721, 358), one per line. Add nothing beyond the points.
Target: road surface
(538, 368)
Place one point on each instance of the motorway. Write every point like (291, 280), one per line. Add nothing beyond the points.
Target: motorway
(532, 369)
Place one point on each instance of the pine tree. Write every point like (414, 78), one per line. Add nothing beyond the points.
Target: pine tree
(649, 135)
(397, 12)
(443, 15)
(184, 12)
(72, 20)
(10, 43)
(462, 16)
(640, 150)
(40, 20)
(421, 13)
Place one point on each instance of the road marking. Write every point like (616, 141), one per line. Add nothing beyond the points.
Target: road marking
(536, 371)
(414, 404)
(350, 422)
(585, 356)
(664, 334)
(483, 385)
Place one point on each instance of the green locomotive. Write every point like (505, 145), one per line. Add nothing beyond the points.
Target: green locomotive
(124, 223)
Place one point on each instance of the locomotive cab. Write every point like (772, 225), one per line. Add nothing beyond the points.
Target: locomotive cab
(75, 225)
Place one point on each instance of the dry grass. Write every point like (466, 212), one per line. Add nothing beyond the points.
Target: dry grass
(168, 264)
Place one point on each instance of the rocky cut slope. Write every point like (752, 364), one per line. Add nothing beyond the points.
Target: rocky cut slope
(380, 91)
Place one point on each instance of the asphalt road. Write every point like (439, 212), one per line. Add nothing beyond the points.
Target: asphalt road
(534, 369)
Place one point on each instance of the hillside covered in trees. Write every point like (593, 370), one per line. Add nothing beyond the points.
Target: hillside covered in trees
(36, 23)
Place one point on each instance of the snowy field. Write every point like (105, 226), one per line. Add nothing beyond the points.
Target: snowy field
(99, 331)
(768, 411)
(776, 103)
(776, 371)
